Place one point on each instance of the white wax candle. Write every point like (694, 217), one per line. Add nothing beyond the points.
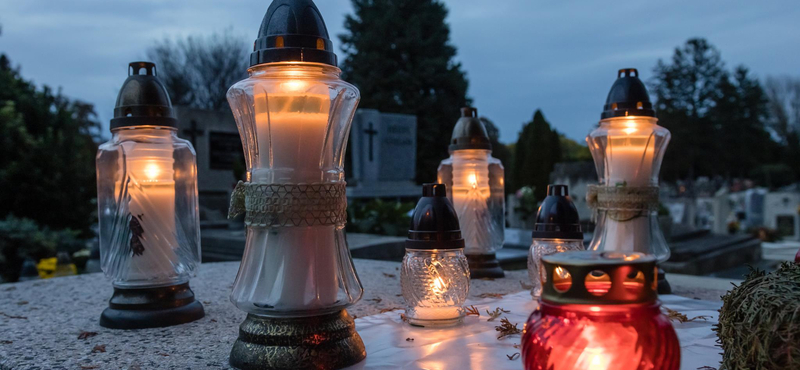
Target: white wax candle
(629, 161)
(437, 313)
(470, 199)
(293, 267)
(152, 207)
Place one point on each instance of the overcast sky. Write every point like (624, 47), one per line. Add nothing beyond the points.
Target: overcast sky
(557, 55)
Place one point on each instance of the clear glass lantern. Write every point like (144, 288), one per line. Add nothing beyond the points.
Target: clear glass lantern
(147, 190)
(600, 311)
(434, 274)
(147, 209)
(296, 277)
(628, 147)
(557, 229)
(294, 118)
(476, 186)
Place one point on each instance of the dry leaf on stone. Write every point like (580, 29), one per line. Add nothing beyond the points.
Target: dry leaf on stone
(675, 315)
(86, 334)
(409, 339)
(513, 356)
(506, 328)
(376, 300)
(389, 275)
(497, 312)
(384, 310)
(99, 348)
(12, 316)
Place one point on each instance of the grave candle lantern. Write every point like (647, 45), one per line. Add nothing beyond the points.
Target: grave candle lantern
(557, 229)
(599, 311)
(147, 209)
(434, 273)
(628, 147)
(296, 278)
(475, 183)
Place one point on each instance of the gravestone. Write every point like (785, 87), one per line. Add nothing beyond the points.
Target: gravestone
(384, 147)
(219, 150)
(781, 213)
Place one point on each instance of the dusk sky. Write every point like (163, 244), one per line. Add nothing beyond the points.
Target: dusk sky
(519, 55)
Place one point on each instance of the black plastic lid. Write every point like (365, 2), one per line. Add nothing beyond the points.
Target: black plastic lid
(143, 99)
(628, 97)
(469, 133)
(293, 31)
(434, 224)
(557, 217)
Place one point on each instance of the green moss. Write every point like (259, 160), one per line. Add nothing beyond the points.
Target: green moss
(759, 322)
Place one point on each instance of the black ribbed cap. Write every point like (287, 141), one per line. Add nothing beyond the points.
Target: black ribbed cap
(143, 99)
(434, 224)
(557, 217)
(293, 31)
(469, 133)
(628, 97)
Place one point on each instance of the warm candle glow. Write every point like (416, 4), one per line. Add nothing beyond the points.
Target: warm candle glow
(151, 171)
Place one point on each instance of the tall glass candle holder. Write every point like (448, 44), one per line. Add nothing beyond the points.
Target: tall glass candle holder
(147, 209)
(599, 311)
(628, 147)
(557, 230)
(296, 277)
(476, 186)
(434, 273)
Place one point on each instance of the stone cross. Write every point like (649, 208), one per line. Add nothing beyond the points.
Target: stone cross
(193, 133)
(371, 132)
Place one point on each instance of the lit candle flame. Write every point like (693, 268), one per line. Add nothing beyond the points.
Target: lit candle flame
(151, 171)
(473, 180)
(438, 285)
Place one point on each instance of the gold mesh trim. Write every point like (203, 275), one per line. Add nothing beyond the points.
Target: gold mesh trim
(279, 205)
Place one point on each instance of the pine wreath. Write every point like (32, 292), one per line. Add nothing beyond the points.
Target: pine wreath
(759, 322)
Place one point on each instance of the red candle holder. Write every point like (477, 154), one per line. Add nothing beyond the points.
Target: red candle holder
(599, 311)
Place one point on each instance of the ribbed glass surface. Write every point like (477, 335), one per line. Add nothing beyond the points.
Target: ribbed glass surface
(476, 186)
(435, 285)
(294, 119)
(543, 247)
(625, 337)
(147, 208)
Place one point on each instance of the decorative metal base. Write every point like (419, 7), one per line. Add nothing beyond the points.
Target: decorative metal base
(140, 308)
(484, 266)
(663, 284)
(323, 342)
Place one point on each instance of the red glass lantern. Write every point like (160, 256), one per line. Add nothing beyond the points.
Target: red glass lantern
(599, 311)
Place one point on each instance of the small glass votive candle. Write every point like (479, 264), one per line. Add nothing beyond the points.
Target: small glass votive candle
(557, 229)
(435, 272)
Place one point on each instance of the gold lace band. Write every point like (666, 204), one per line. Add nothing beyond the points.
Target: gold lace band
(279, 205)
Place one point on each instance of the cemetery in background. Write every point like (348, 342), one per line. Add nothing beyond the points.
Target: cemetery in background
(731, 173)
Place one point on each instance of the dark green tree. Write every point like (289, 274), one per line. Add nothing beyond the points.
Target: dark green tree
(538, 149)
(47, 148)
(685, 91)
(718, 119)
(740, 115)
(398, 53)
